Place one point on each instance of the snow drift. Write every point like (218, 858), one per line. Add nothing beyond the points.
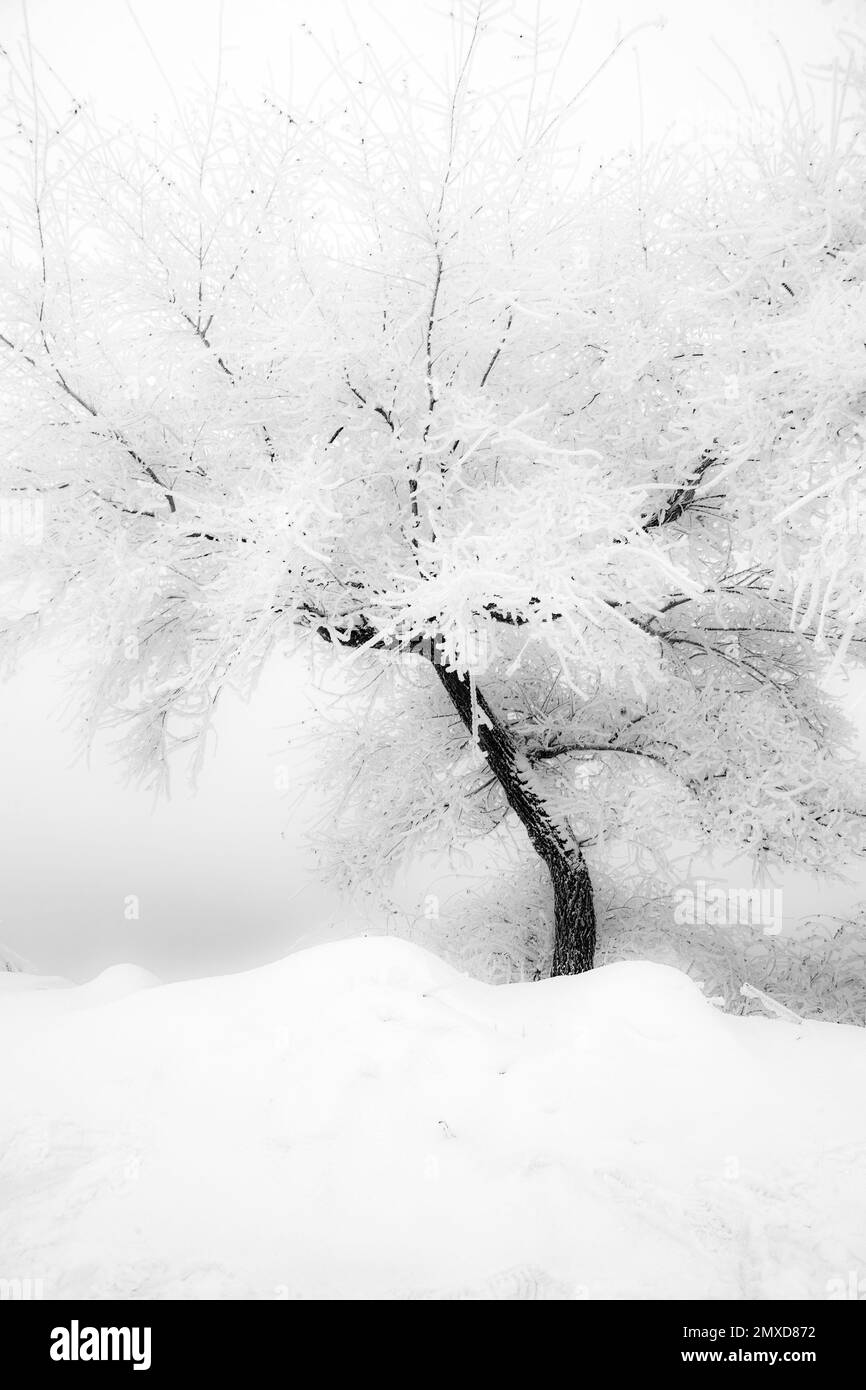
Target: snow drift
(359, 1120)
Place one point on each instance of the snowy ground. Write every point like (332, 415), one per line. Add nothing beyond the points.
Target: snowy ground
(360, 1121)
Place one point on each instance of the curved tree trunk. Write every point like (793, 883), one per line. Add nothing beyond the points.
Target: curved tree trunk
(574, 914)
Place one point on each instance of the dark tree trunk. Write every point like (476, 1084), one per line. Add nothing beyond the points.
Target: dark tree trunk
(574, 914)
(574, 917)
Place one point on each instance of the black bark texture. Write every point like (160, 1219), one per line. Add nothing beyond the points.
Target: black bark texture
(574, 912)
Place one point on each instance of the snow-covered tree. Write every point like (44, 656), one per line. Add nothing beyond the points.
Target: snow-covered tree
(572, 464)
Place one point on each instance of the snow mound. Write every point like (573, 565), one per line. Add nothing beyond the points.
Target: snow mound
(359, 1120)
(58, 995)
(115, 983)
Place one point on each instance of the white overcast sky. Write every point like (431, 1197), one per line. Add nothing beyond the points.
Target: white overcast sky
(218, 883)
(126, 58)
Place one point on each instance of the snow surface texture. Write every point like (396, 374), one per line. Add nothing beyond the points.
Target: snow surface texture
(359, 1120)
